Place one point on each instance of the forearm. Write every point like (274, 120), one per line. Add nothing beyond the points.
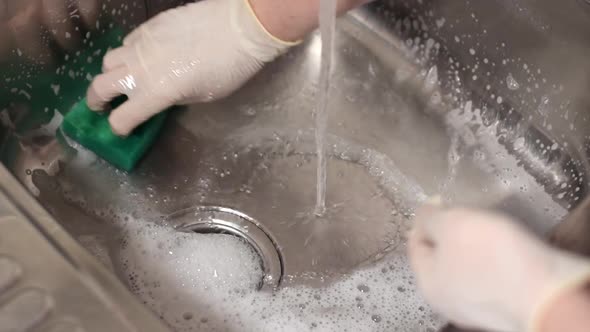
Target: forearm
(291, 20)
(571, 313)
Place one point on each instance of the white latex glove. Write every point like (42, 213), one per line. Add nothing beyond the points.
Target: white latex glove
(196, 53)
(482, 270)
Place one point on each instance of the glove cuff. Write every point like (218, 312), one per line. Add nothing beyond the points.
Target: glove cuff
(570, 272)
(255, 39)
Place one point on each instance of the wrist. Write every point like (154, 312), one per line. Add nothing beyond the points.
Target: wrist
(290, 20)
(286, 20)
(252, 35)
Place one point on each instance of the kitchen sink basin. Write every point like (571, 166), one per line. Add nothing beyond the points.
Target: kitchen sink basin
(481, 103)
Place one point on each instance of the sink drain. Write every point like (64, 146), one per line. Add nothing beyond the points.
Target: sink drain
(220, 220)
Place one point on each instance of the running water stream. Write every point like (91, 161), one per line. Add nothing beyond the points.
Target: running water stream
(327, 19)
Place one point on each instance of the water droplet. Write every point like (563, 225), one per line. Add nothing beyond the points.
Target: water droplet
(431, 78)
(512, 83)
(363, 288)
(543, 108)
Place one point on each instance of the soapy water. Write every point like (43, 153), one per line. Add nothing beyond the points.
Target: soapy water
(177, 279)
(270, 177)
(197, 282)
(377, 298)
(208, 282)
(83, 157)
(278, 157)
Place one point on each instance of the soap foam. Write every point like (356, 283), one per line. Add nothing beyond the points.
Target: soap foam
(83, 158)
(199, 282)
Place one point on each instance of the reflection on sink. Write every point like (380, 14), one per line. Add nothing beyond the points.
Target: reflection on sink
(409, 119)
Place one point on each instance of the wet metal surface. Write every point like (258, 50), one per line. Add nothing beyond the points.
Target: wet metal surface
(418, 96)
(253, 152)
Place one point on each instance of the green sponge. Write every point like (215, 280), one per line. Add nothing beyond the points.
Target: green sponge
(92, 130)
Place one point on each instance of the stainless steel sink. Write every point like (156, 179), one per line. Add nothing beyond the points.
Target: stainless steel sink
(496, 88)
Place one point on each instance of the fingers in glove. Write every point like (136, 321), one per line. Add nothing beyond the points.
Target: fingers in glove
(134, 112)
(133, 36)
(117, 58)
(107, 86)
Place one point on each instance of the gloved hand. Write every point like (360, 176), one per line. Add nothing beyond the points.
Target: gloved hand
(196, 53)
(482, 270)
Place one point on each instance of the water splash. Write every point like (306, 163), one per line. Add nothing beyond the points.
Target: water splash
(431, 79)
(453, 159)
(327, 29)
(512, 83)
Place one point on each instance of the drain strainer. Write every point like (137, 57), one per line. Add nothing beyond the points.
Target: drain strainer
(220, 220)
